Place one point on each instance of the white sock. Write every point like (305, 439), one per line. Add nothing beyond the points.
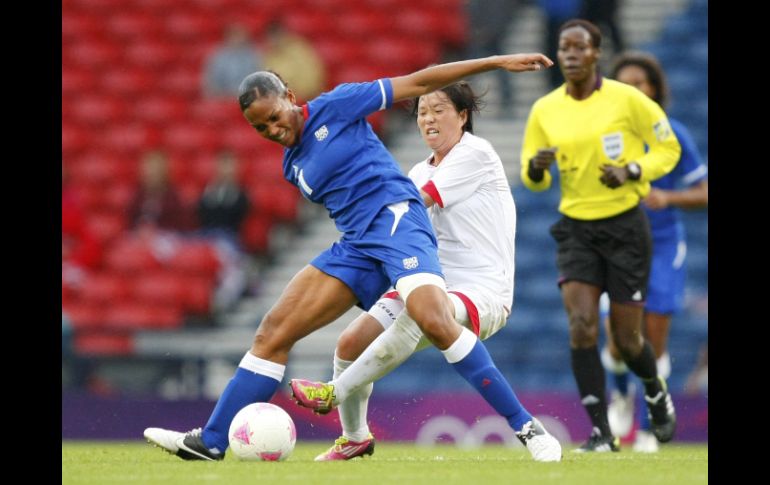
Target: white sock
(461, 347)
(385, 353)
(263, 367)
(612, 365)
(664, 365)
(353, 410)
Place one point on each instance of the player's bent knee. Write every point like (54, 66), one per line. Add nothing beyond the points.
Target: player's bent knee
(408, 284)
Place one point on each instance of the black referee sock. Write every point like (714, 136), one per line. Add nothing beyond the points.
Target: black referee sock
(645, 367)
(589, 375)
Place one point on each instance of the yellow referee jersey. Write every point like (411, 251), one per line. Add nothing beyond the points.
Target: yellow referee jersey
(611, 126)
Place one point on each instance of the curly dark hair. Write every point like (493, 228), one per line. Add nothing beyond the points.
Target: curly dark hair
(651, 67)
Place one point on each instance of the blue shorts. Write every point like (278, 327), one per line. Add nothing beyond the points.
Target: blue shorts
(392, 247)
(665, 291)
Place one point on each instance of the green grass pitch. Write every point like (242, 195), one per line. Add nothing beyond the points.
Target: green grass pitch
(392, 463)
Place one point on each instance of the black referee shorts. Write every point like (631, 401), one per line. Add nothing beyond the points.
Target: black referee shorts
(613, 253)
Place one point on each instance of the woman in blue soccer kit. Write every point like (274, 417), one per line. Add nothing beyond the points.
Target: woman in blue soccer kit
(333, 156)
(685, 187)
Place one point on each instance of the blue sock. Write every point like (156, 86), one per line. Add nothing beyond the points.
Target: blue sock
(644, 419)
(478, 369)
(244, 388)
(621, 382)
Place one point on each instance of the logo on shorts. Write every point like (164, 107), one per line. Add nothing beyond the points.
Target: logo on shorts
(613, 145)
(321, 133)
(411, 263)
(637, 296)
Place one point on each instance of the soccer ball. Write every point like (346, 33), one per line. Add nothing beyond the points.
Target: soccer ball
(262, 432)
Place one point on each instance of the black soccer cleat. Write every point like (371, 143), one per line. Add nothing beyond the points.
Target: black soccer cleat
(599, 444)
(660, 409)
(191, 447)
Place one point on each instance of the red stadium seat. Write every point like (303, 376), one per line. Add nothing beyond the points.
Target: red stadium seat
(106, 226)
(105, 288)
(266, 166)
(195, 259)
(76, 81)
(190, 190)
(218, 112)
(131, 256)
(339, 51)
(74, 140)
(98, 169)
(91, 54)
(255, 233)
(402, 55)
(313, 24)
(284, 201)
(195, 25)
(198, 294)
(129, 140)
(181, 80)
(192, 137)
(361, 25)
(160, 7)
(98, 109)
(128, 82)
(104, 344)
(151, 54)
(136, 316)
(202, 168)
(99, 6)
(161, 109)
(131, 25)
(163, 287)
(360, 73)
(242, 137)
(91, 197)
(77, 25)
(118, 196)
(85, 315)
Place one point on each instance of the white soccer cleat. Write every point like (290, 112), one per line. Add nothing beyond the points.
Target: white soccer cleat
(163, 438)
(541, 445)
(620, 412)
(645, 442)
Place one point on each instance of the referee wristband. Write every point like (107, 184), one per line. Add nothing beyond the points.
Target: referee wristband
(535, 174)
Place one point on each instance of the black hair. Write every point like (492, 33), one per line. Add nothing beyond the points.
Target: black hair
(463, 98)
(259, 84)
(651, 67)
(590, 27)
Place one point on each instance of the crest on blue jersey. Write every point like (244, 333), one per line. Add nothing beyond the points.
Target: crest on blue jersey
(321, 133)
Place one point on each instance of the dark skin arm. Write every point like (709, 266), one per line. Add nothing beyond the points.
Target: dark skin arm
(612, 176)
(695, 197)
(541, 162)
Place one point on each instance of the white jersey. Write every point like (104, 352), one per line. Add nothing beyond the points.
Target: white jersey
(474, 218)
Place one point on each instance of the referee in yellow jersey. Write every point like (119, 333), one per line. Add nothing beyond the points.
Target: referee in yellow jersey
(609, 141)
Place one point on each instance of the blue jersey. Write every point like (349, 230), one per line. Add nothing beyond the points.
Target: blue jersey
(339, 161)
(666, 224)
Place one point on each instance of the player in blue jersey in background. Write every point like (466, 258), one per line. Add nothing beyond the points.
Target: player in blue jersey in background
(685, 187)
(333, 156)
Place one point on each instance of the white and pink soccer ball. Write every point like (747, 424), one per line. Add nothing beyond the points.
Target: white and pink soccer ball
(262, 432)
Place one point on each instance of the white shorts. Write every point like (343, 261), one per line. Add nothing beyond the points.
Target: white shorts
(482, 313)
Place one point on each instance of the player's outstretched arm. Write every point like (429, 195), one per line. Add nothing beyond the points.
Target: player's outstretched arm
(432, 78)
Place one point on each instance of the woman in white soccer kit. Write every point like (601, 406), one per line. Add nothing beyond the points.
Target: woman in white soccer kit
(472, 211)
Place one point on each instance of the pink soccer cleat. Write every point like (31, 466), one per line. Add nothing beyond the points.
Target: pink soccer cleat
(317, 396)
(345, 449)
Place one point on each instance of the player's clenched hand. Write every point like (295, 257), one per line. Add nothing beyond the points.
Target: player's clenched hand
(543, 158)
(525, 62)
(612, 176)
